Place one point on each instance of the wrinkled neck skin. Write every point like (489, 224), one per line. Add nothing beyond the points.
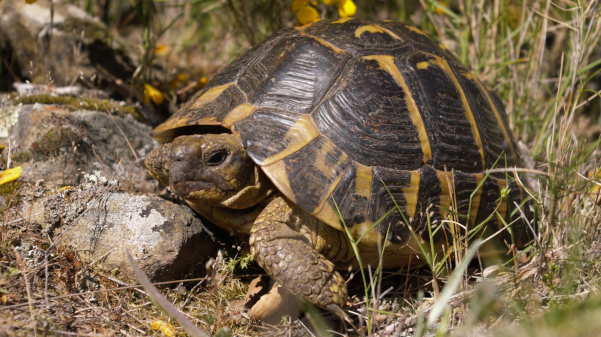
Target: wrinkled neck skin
(239, 220)
(215, 176)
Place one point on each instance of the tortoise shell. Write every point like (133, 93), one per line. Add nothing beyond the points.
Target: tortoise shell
(343, 114)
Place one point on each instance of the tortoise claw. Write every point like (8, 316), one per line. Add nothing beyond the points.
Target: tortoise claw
(336, 310)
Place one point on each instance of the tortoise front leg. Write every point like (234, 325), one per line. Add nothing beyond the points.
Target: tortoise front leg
(284, 239)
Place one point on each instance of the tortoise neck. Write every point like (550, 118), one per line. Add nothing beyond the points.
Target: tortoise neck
(258, 188)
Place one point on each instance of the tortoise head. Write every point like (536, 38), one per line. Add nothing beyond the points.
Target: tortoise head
(206, 168)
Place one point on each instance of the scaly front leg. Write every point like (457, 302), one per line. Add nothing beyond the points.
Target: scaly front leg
(287, 242)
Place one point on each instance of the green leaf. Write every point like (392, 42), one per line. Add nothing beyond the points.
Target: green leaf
(223, 332)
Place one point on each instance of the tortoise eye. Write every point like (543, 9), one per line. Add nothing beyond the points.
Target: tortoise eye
(217, 158)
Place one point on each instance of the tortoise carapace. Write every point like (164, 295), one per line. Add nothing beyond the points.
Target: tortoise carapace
(329, 125)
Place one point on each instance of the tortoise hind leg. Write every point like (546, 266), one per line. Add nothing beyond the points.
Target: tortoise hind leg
(291, 258)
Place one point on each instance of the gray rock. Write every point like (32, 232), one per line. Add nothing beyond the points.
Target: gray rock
(64, 147)
(165, 238)
(79, 45)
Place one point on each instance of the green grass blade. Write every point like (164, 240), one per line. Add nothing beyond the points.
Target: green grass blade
(452, 285)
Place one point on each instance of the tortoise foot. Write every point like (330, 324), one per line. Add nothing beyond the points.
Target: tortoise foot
(291, 259)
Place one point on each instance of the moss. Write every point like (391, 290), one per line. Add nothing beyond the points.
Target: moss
(21, 157)
(76, 103)
(50, 144)
(55, 139)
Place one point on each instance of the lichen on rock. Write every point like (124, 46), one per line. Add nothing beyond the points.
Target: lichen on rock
(100, 223)
(9, 116)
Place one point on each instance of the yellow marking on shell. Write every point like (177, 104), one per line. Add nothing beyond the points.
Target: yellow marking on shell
(210, 95)
(396, 37)
(238, 113)
(442, 46)
(329, 215)
(208, 121)
(410, 194)
(476, 199)
(422, 65)
(343, 20)
(498, 117)
(467, 75)
(162, 135)
(303, 27)
(321, 164)
(444, 65)
(387, 64)
(279, 177)
(415, 29)
(370, 238)
(368, 28)
(363, 180)
(503, 205)
(326, 43)
(445, 192)
(299, 135)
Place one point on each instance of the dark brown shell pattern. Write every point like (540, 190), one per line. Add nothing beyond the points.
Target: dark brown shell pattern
(350, 116)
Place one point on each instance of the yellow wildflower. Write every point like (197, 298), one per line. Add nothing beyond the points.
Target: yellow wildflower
(307, 15)
(151, 93)
(331, 2)
(297, 5)
(439, 10)
(181, 77)
(166, 328)
(346, 8)
(201, 83)
(10, 175)
(161, 49)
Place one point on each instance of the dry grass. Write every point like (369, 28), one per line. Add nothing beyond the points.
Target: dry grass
(542, 57)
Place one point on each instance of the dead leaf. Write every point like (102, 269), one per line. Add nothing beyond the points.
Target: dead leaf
(269, 303)
(256, 289)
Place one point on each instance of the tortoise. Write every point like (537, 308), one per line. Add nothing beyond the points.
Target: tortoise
(318, 132)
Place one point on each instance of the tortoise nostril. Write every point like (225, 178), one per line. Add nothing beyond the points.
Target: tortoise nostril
(179, 153)
(217, 158)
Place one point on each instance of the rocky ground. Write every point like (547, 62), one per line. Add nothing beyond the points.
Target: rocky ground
(83, 197)
(82, 200)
